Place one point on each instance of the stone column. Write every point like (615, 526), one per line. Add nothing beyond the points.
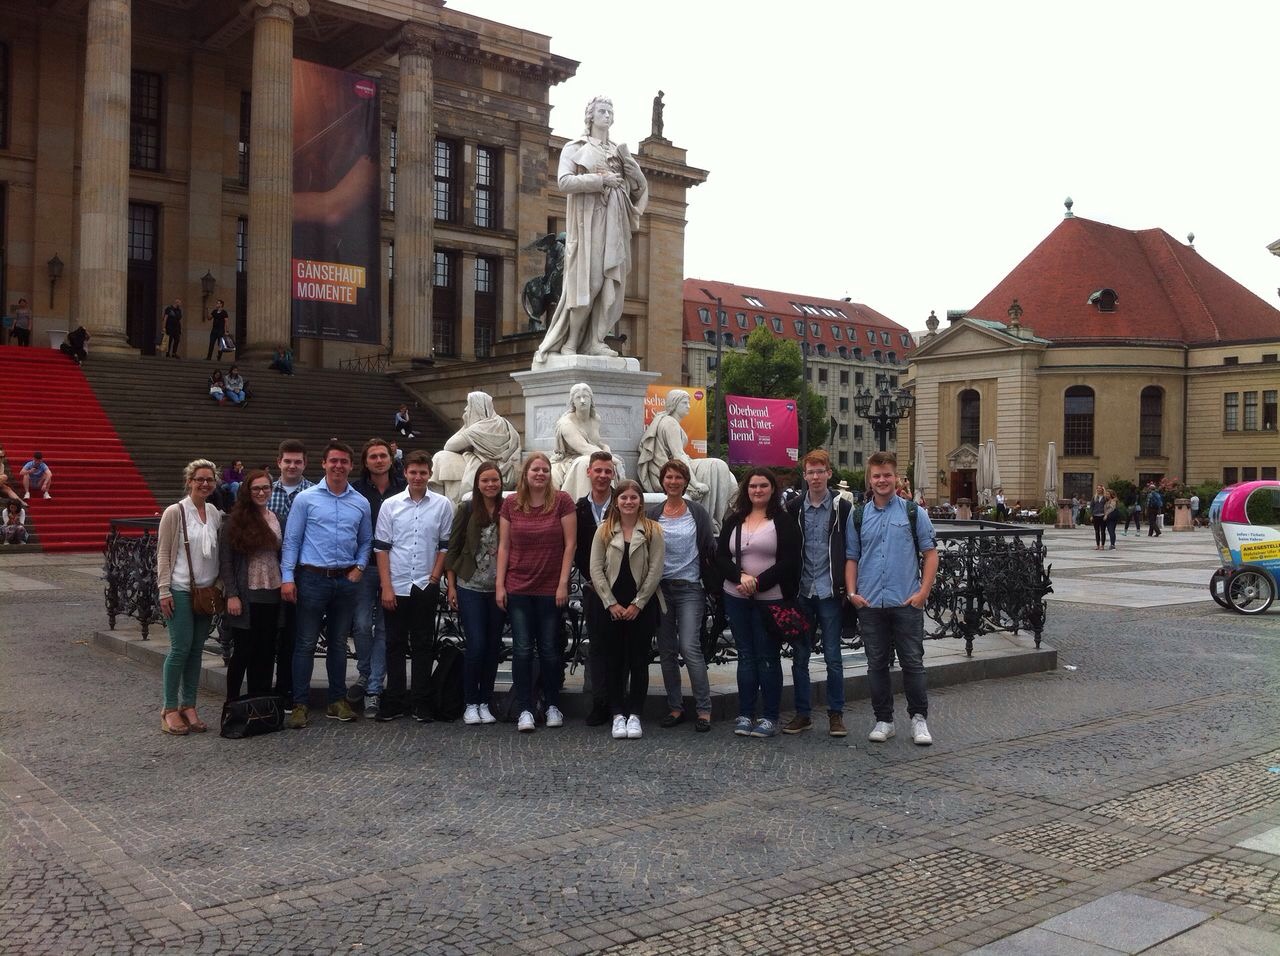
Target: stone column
(271, 175)
(415, 221)
(104, 186)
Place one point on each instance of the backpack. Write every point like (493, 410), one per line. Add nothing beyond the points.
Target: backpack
(913, 510)
(444, 686)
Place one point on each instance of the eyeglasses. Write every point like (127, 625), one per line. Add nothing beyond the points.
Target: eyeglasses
(204, 481)
(266, 490)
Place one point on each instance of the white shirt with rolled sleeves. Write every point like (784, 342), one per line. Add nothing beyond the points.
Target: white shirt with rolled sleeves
(413, 533)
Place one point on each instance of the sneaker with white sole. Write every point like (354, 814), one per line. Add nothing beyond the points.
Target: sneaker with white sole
(881, 732)
(920, 731)
(554, 717)
(764, 728)
(525, 725)
(471, 715)
(371, 706)
(485, 716)
(619, 727)
(634, 732)
(47, 495)
(742, 726)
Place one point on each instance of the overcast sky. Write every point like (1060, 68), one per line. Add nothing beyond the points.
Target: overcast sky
(909, 155)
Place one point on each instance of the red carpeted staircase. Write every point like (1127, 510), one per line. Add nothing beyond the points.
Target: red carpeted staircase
(47, 405)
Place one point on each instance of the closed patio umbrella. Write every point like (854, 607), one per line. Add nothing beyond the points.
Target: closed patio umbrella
(993, 467)
(920, 469)
(984, 476)
(1051, 476)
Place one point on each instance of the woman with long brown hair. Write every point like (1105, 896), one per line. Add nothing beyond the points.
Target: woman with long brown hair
(249, 554)
(471, 568)
(537, 536)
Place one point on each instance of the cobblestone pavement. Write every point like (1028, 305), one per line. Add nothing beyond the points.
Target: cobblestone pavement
(1140, 770)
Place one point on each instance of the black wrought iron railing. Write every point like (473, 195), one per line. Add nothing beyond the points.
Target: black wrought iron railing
(377, 362)
(130, 571)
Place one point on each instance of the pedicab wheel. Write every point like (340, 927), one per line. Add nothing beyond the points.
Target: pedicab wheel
(1218, 587)
(1250, 590)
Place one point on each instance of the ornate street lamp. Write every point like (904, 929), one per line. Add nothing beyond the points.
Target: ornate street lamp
(55, 273)
(207, 284)
(715, 409)
(883, 409)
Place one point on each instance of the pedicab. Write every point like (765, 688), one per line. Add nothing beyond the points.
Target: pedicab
(1245, 522)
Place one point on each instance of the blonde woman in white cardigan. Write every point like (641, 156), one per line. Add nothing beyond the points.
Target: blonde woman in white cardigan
(178, 577)
(626, 569)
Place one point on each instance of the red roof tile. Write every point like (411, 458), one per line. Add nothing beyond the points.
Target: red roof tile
(1166, 291)
(790, 307)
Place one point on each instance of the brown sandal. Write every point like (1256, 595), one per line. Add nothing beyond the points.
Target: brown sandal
(180, 730)
(196, 725)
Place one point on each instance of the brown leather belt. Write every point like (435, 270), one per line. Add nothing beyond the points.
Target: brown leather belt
(328, 572)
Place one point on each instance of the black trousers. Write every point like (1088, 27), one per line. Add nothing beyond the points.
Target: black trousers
(253, 651)
(215, 342)
(598, 624)
(628, 648)
(411, 629)
(284, 650)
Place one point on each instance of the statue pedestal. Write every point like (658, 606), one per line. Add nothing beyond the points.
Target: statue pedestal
(619, 388)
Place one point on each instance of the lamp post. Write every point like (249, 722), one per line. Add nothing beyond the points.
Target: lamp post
(715, 410)
(55, 273)
(802, 404)
(883, 409)
(207, 284)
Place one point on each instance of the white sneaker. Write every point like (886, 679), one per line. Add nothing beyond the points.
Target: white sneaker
(471, 715)
(619, 727)
(485, 716)
(371, 706)
(47, 495)
(920, 731)
(881, 732)
(633, 728)
(525, 724)
(554, 717)
(26, 496)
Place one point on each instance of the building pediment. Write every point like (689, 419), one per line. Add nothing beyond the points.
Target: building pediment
(969, 336)
(964, 458)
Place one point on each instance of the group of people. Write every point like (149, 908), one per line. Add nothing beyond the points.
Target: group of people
(228, 388)
(374, 558)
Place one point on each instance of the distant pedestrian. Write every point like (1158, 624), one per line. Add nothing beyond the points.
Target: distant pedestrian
(1195, 511)
(887, 584)
(402, 424)
(173, 327)
(14, 529)
(1155, 506)
(1098, 513)
(22, 323)
(76, 347)
(216, 331)
(1111, 515)
(326, 550)
(1133, 511)
(36, 473)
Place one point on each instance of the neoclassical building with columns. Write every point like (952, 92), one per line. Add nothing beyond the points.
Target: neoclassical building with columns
(146, 155)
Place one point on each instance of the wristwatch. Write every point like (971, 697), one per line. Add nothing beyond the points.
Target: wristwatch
(360, 568)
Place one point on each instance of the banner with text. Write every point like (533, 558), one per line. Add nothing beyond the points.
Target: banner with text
(694, 424)
(335, 275)
(762, 431)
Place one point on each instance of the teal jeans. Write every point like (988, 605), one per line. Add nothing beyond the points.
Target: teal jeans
(187, 634)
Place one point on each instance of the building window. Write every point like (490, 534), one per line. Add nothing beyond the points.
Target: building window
(1249, 473)
(444, 303)
(893, 358)
(1251, 411)
(857, 459)
(742, 320)
(709, 336)
(1269, 410)
(844, 403)
(1231, 412)
(1231, 360)
(822, 376)
(242, 244)
(969, 403)
(884, 338)
(777, 324)
(1230, 476)
(877, 355)
(905, 339)
(799, 326)
(822, 349)
(704, 315)
(486, 309)
(815, 330)
(1151, 423)
(144, 120)
(1077, 484)
(835, 332)
(857, 433)
(445, 198)
(142, 232)
(1104, 300)
(242, 147)
(844, 378)
(1077, 423)
(871, 336)
(724, 318)
(1267, 473)
(391, 169)
(844, 459)
(1270, 357)
(728, 338)
(488, 182)
(858, 378)
(759, 320)
(753, 301)
(843, 431)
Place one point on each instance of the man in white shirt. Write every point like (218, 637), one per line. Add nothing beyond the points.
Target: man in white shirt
(410, 543)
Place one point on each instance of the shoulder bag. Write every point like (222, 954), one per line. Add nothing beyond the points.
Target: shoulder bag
(251, 716)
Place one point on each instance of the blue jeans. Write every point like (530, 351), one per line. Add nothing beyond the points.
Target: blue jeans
(535, 623)
(680, 635)
(759, 659)
(482, 622)
(319, 597)
(901, 628)
(370, 632)
(234, 395)
(825, 613)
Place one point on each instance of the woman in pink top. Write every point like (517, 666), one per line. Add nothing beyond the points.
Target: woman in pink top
(249, 553)
(537, 535)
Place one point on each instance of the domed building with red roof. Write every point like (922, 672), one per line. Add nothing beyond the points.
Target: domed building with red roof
(1133, 354)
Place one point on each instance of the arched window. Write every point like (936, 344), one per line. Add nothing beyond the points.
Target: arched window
(822, 349)
(877, 355)
(1151, 424)
(970, 403)
(709, 336)
(1077, 421)
(728, 339)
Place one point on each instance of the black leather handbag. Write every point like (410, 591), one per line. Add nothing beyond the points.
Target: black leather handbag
(251, 716)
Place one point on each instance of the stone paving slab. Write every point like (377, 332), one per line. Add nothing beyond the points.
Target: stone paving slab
(1266, 842)
(1040, 942)
(1193, 576)
(1086, 591)
(1125, 922)
(17, 582)
(1219, 937)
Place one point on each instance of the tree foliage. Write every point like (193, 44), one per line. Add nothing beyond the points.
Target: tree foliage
(770, 368)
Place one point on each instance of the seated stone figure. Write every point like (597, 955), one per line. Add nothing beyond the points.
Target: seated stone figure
(485, 436)
(712, 486)
(577, 436)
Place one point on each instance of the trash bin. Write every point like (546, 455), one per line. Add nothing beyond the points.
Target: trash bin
(57, 337)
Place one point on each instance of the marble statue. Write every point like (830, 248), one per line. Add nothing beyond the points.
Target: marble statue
(577, 436)
(712, 483)
(485, 436)
(656, 128)
(606, 195)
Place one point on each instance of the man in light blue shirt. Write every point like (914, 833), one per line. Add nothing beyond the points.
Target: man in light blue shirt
(885, 583)
(326, 550)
